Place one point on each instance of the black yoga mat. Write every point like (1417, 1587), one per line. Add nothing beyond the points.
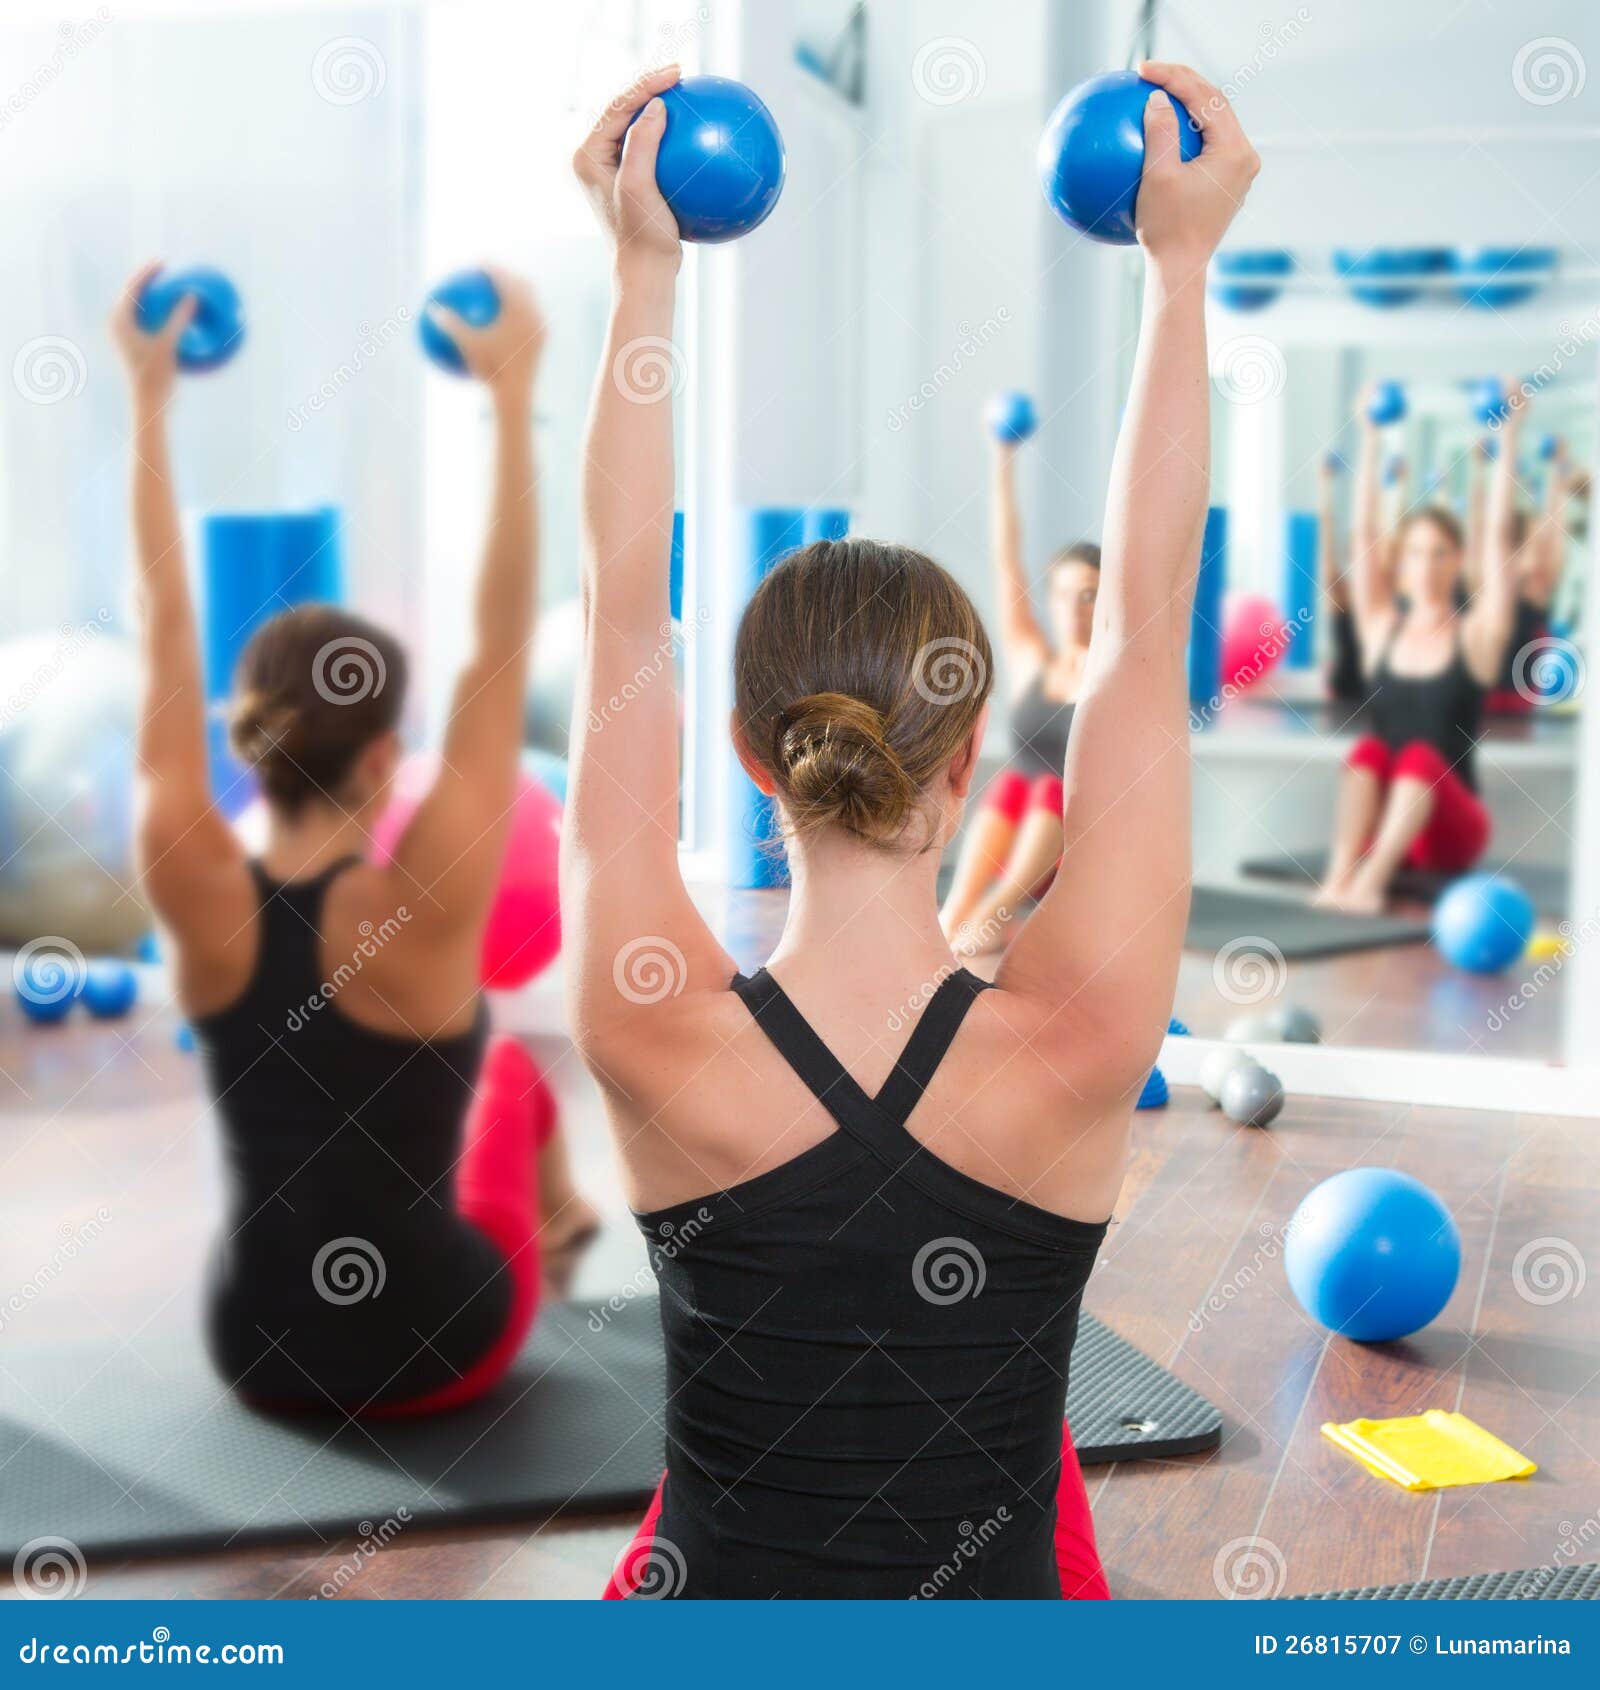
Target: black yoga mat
(1534, 1584)
(125, 1452)
(1548, 887)
(1237, 922)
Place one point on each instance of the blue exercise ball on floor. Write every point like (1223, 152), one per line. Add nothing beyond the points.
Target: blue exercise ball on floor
(215, 332)
(1092, 153)
(1011, 417)
(1372, 1254)
(47, 976)
(472, 296)
(1483, 923)
(721, 164)
(1387, 404)
(109, 989)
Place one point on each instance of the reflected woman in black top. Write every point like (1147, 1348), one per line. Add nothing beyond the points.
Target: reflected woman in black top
(1013, 842)
(904, 1172)
(1408, 791)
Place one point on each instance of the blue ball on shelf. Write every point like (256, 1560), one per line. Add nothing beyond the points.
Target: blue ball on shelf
(721, 164)
(1091, 154)
(1249, 280)
(1388, 276)
(472, 296)
(1498, 276)
(1372, 1254)
(215, 332)
(1483, 923)
(110, 989)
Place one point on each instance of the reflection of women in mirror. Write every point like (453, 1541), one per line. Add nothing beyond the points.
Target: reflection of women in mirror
(1540, 550)
(1409, 793)
(382, 1251)
(1346, 683)
(1014, 842)
(872, 1245)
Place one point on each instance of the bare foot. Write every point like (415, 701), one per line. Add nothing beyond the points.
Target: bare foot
(1360, 897)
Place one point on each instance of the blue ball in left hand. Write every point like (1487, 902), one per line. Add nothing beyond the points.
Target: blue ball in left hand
(472, 296)
(1091, 154)
(215, 332)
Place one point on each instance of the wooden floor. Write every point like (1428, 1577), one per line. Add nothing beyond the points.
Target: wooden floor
(109, 1116)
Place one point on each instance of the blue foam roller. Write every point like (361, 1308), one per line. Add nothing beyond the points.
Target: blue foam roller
(1205, 629)
(1300, 588)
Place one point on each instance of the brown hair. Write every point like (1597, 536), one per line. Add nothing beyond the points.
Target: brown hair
(314, 687)
(1444, 520)
(1080, 551)
(860, 670)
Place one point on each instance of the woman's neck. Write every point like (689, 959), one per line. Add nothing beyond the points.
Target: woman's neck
(305, 843)
(855, 907)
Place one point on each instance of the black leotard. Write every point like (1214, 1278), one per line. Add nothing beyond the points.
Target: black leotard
(340, 1145)
(1444, 710)
(866, 1352)
(1039, 728)
(1346, 682)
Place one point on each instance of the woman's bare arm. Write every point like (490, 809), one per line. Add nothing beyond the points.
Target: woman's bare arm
(449, 857)
(1492, 618)
(634, 938)
(182, 839)
(1026, 648)
(1100, 955)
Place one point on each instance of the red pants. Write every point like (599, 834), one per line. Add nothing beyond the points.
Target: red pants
(497, 1190)
(1078, 1566)
(1013, 794)
(1458, 828)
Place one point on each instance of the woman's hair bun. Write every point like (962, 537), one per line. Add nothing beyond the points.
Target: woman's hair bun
(838, 768)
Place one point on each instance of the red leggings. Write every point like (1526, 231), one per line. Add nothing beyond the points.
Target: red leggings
(1078, 1566)
(1013, 794)
(1458, 829)
(497, 1190)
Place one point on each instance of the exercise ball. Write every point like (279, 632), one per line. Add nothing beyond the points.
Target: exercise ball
(548, 769)
(1388, 276)
(523, 932)
(1372, 1254)
(1251, 1095)
(1245, 281)
(1491, 405)
(1218, 1064)
(1293, 1025)
(1092, 153)
(1011, 417)
(1387, 404)
(66, 791)
(110, 989)
(471, 295)
(216, 330)
(1483, 923)
(47, 975)
(1253, 639)
(1500, 275)
(721, 163)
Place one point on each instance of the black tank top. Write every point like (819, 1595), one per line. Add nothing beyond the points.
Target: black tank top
(1444, 710)
(1039, 728)
(1346, 683)
(343, 1271)
(866, 1354)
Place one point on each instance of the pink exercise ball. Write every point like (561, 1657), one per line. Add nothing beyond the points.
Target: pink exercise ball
(523, 933)
(1252, 639)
